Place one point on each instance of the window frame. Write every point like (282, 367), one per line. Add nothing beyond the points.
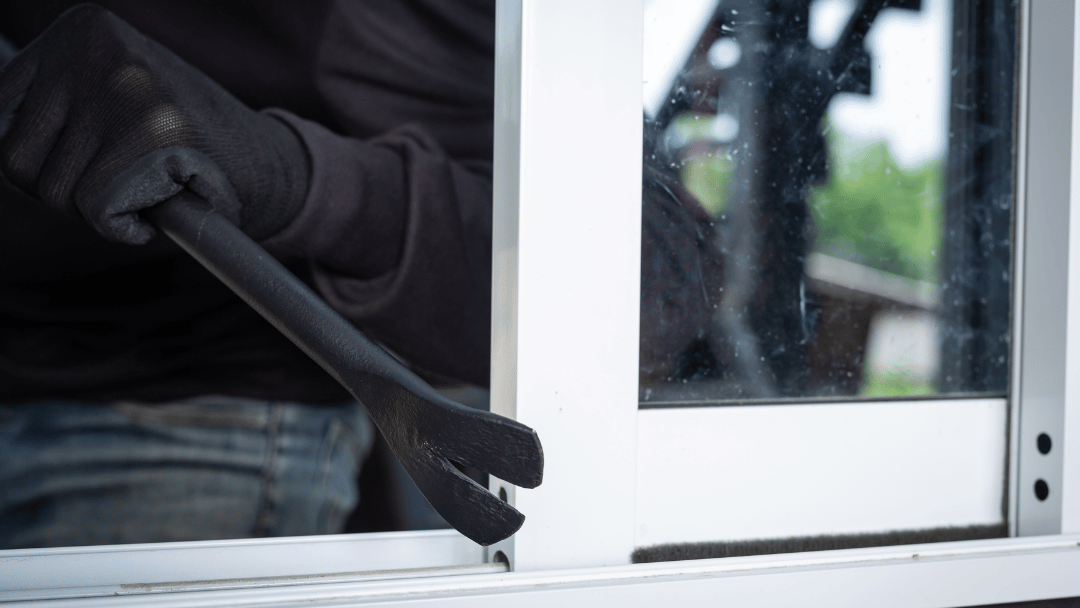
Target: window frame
(549, 58)
(81, 573)
(1039, 384)
(564, 346)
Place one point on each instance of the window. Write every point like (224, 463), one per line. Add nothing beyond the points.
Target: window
(827, 200)
(567, 245)
(810, 241)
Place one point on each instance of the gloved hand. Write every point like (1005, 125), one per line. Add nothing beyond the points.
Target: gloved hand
(107, 122)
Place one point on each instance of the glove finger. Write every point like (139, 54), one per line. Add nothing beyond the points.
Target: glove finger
(64, 168)
(7, 115)
(7, 51)
(115, 211)
(15, 78)
(34, 129)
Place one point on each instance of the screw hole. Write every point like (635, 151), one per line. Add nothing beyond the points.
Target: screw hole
(1044, 443)
(1041, 490)
(502, 494)
(500, 558)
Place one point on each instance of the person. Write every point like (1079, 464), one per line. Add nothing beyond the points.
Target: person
(136, 391)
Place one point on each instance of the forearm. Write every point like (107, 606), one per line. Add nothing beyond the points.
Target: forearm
(398, 236)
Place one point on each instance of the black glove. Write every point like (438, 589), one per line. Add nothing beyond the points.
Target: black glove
(107, 122)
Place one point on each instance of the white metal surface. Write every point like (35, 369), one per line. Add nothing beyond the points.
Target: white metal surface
(1040, 395)
(1012, 500)
(266, 582)
(740, 473)
(27, 572)
(567, 268)
(914, 576)
(1070, 491)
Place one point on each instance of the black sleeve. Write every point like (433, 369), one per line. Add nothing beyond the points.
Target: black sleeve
(412, 84)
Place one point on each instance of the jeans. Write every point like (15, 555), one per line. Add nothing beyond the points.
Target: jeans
(205, 468)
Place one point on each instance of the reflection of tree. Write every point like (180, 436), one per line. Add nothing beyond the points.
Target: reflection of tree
(876, 213)
(760, 314)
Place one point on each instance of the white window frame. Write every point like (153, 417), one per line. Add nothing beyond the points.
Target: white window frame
(565, 343)
(570, 232)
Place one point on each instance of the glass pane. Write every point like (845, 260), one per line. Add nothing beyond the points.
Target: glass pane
(827, 199)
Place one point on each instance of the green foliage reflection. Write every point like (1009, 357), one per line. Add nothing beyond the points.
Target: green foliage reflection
(876, 213)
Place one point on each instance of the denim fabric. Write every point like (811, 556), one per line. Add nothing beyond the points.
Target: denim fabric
(207, 468)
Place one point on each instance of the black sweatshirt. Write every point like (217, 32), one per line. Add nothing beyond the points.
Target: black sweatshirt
(394, 103)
